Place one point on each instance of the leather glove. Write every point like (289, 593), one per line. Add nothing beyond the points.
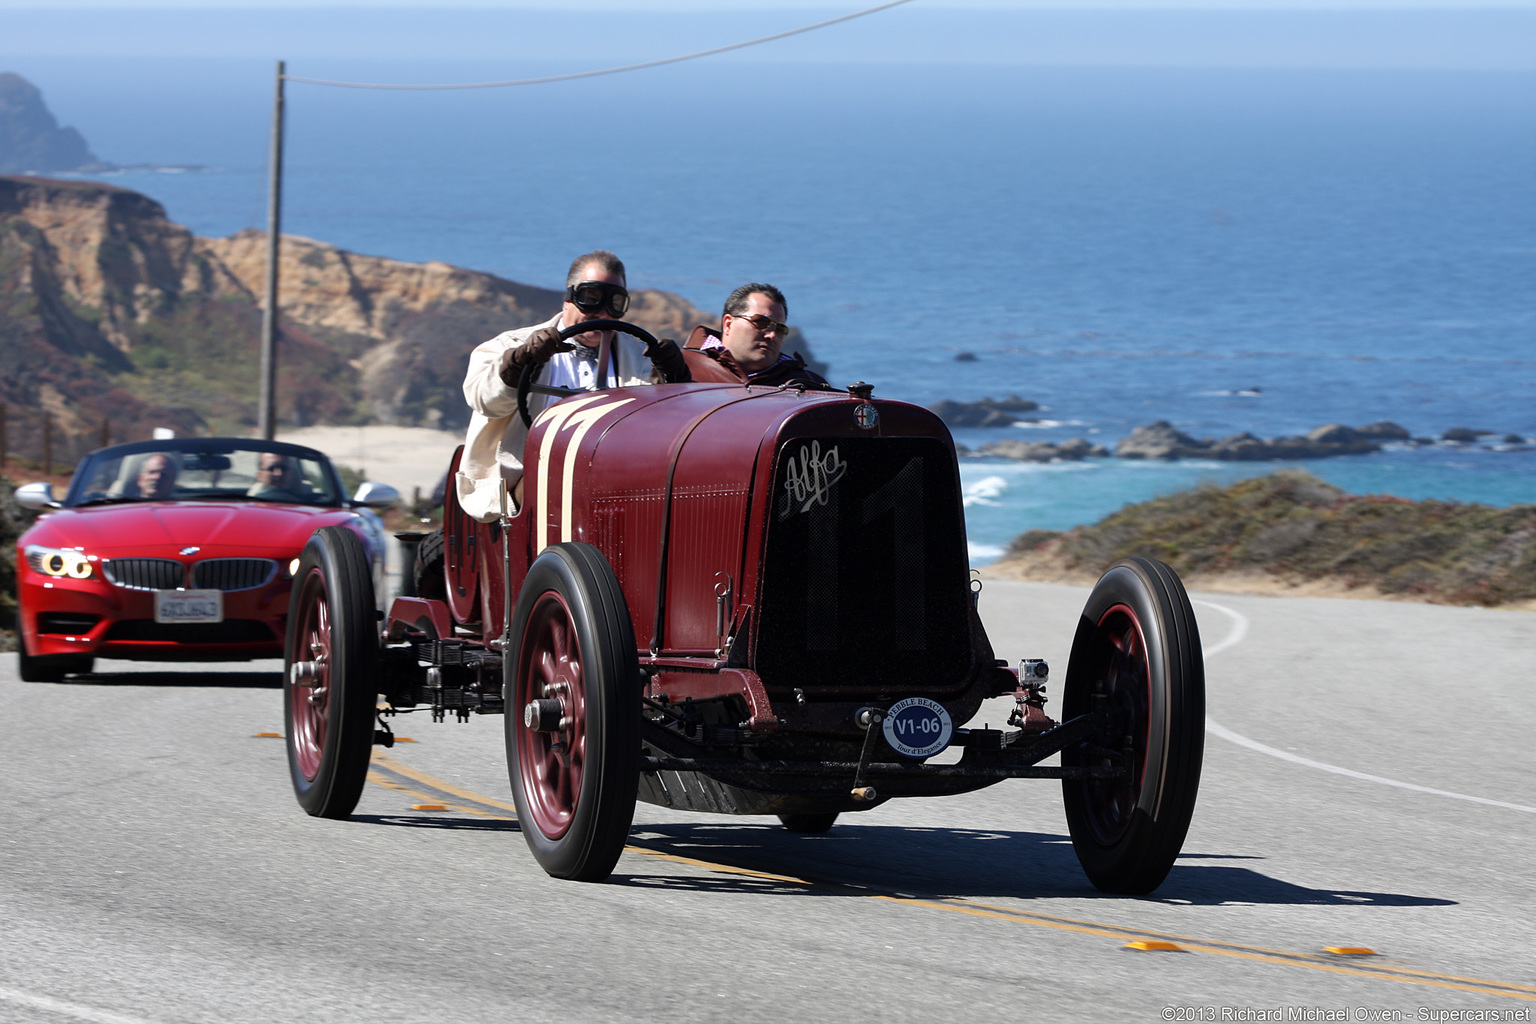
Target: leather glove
(668, 359)
(536, 348)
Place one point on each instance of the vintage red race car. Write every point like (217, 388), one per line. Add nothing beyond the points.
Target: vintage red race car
(178, 549)
(746, 600)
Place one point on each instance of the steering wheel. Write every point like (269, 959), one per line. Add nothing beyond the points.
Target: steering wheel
(525, 384)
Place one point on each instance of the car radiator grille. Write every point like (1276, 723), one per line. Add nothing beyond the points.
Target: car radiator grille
(144, 573)
(232, 573)
(865, 576)
(210, 574)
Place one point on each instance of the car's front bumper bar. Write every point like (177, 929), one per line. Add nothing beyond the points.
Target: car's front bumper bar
(830, 769)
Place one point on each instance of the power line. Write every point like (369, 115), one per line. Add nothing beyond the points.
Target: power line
(274, 227)
(607, 71)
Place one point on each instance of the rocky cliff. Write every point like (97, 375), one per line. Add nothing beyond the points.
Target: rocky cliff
(109, 311)
(30, 139)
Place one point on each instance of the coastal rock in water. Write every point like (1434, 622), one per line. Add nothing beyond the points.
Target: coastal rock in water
(1078, 448)
(1334, 433)
(1385, 430)
(1335, 439)
(1160, 440)
(31, 141)
(1020, 451)
(1464, 435)
(1242, 447)
(1331, 443)
(1044, 451)
(988, 412)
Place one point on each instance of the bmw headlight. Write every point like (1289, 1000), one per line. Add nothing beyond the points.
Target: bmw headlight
(68, 562)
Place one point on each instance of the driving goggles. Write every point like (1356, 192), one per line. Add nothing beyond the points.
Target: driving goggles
(764, 323)
(596, 296)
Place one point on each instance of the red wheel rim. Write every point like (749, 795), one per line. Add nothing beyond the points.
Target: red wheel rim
(1124, 677)
(310, 704)
(551, 763)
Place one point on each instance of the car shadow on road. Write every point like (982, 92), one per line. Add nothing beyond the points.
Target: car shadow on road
(465, 824)
(1212, 885)
(180, 678)
(938, 863)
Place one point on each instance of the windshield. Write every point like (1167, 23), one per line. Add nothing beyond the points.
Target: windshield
(204, 469)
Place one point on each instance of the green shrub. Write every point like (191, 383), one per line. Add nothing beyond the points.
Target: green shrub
(1294, 525)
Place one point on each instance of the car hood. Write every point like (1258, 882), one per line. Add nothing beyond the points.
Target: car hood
(164, 528)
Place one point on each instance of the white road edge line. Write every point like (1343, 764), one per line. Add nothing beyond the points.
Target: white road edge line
(1233, 638)
(66, 1009)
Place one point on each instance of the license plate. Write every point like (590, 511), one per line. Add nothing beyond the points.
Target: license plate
(189, 606)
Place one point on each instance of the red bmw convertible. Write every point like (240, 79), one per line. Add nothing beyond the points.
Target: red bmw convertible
(177, 550)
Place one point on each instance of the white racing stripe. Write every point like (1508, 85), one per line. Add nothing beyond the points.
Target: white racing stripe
(1233, 638)
(66, 1009)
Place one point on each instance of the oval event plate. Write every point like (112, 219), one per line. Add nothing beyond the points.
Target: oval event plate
(918, 727)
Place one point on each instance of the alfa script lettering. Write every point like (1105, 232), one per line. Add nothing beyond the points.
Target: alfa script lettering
(809, 475)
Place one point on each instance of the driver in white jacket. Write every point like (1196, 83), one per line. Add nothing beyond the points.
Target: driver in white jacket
(595, 289)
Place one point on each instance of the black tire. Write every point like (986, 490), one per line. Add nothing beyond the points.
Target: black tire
(572, 641)
(431, 560)
(809, 824)
(330, 677)
(50, 668)
(1138, 647)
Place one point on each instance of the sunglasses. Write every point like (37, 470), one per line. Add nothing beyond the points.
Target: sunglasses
(764, 323)
(596, 296)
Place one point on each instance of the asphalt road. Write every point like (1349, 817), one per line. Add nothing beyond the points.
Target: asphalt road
(1370, 781)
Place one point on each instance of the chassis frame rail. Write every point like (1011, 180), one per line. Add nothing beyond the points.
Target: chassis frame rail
(879, 769)
(1020, 760)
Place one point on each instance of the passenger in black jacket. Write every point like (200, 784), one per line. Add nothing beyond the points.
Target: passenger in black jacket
(750, 343)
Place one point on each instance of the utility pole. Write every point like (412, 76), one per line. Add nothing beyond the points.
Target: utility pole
(268, 413)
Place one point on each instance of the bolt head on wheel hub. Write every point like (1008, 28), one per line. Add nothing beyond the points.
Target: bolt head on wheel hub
(543, 715)
(305, 673)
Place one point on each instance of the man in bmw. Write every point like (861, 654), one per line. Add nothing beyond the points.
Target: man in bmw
(156, 480)
(595, 289)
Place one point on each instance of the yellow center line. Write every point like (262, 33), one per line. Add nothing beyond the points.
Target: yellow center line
(1386, 972)
(388, 783)
(1260, 950)
(388, 763)
(474, 803)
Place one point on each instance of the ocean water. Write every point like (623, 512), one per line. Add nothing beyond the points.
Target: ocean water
(1229, 250)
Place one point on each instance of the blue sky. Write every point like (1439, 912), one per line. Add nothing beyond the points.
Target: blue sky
(1398, 34)
(717, 6)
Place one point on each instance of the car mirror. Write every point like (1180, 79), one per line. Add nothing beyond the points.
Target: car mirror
(374, 495)
(37, 497)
